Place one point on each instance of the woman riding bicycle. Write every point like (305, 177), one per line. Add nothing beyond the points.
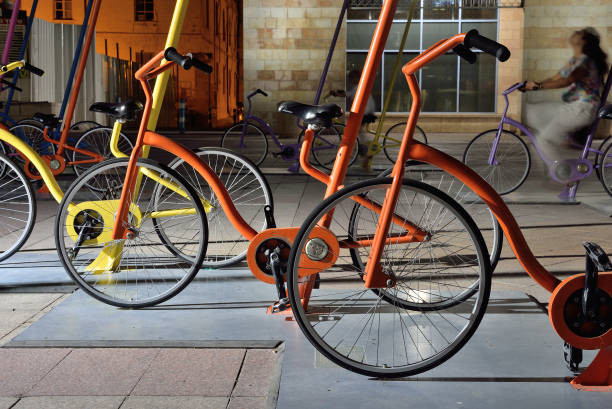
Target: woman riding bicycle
(582, 77)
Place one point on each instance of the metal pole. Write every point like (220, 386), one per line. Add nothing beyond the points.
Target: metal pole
(11, 31)
(24, 47)
(330, 53)
(80, 71)
(75, 60)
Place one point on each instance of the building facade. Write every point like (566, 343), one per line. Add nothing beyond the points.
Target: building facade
(286, 42)
(133, 30)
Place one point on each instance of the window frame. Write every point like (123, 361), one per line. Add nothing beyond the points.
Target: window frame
(66, 10)
(418, 22)
(144, 12)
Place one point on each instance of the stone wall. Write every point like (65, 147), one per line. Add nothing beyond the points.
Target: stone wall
(285, 46)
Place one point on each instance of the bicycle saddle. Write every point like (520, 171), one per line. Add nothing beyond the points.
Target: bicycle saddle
(119, 110)
(48, 120)
(319, 115)
(606, 112)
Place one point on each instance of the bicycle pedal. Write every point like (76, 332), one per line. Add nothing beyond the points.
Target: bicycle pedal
(280, 306)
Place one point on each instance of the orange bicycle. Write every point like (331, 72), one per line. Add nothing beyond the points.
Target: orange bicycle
(389, 277)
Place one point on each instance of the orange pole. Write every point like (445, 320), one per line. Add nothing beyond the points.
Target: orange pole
(74, 95)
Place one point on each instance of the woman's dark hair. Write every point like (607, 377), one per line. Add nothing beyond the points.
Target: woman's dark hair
(591, 49)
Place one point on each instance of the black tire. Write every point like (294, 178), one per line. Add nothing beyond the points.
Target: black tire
(257, 149)
(390, 147)
(11, 179)
(67, 259)
(34, 136)
(606, 163)
(597, 159)
(476, 156)
(459, 192)
(84, 126)
(218, 224)
(97, 140)
(380, 369)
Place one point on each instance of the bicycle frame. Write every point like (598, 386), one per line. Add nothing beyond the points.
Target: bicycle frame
(586, 149)
(36, 160)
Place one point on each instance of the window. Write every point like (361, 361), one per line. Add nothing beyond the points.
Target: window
(448, 84)
(62, 9)
(144, 10)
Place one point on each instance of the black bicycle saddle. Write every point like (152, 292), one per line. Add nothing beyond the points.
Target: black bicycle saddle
(318, 115)
(47, 120)
(119, 110)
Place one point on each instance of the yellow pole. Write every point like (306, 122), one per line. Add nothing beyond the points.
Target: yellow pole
(174, 34)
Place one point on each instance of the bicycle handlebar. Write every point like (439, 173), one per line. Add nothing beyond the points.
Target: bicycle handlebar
(464, 52)
(186, 61)
(259, 91)
(34, 70)
(497, 50)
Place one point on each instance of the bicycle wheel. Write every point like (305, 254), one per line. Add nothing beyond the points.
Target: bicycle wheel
(17, 208)
(512, 160)
(325, 146)
(602, 147)
(605, 169)
(481, 214)
(96, 140)
(249, 191)
(250, 141)
(84, 126)
(394, 136)
(138, 271)
(33, 136)
(408, 328)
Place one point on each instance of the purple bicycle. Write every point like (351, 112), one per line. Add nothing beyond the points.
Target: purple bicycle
(502, 158)
(249, 137)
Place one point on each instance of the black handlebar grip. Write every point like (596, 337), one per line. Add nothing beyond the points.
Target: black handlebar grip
(172, 55)
(34, 70)
(200, 65)
(499, 51)
(465, 53)
(265, 94)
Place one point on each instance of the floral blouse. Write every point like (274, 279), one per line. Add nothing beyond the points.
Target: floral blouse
(587, 89)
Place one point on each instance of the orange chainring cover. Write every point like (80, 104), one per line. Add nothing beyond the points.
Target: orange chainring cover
(307, 266)
(556, 311)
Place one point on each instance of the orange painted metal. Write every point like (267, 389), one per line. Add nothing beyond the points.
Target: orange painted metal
(161, 142)
(307, 266)
(305, 153)
(556, 309)
(597, 377)
(74, 94)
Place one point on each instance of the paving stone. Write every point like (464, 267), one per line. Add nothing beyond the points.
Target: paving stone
(70, 402)
(247, 403)
(174, 402)
(203, 372)
(23, 368)
(6, 402)
(257, 374)
(96, 372)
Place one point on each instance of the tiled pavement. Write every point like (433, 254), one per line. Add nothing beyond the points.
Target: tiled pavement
(137, 378)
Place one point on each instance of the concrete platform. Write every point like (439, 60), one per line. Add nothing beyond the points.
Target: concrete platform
(514, 359)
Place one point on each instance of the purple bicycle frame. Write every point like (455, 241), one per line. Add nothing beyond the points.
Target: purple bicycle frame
(570, 191)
